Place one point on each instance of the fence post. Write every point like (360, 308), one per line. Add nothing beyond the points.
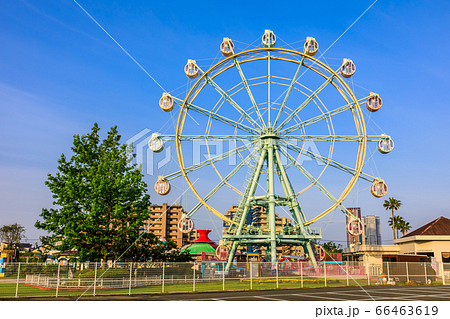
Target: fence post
(131, 274)
(57, 280)
(301, 273)
(193, 281)
(368, 276)
(223, 277)
(346, 266)
(425, 268)
(17, 284)
(407, 272)
(277, 273)
(325, 272)
(95, 277)
(163, 276)
(443, 275)
(251, 276)
(388, 270)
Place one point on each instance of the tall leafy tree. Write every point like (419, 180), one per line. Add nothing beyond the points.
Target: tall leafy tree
(392, 204)
(100, 201)
(12, 234)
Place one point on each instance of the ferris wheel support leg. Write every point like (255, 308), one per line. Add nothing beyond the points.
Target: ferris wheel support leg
(294, 206)
(231, 255)
(311, 254)
(271, 198)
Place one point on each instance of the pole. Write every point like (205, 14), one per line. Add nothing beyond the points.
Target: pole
(193, 281)
(251, 276)
(325, 272)
(223, 277)
(95, 277)
(443, 275)
(301, 273)
(277, 273)
(388, 271)
(163, 276)
(131, 273)
(17, 284)
(425, 268)
(407, 272)
(348, 282)
(368, 277)
(57, 280)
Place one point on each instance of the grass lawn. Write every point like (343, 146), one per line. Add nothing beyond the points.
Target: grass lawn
(8, 288)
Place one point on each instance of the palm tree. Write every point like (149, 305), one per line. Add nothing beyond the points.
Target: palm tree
(392, 204)
(396, 224)
(404, 227)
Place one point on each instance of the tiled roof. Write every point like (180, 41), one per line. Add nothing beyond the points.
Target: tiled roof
(438, 227)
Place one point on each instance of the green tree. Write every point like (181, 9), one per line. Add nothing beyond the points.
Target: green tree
(331, 247)
(100, 201)
(12, 234)
(392, 204)
(396, 223)
(404, 227)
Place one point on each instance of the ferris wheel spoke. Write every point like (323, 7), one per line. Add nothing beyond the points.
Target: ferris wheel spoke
(268, 88)
(222, 183)
(217, 117)
(172, 137)
(249, 92)
(209, 161)
(335, 138)
(306, 102)
(321, 117)
(228, 98)
(316, 183)
(329, 161)
(288, 92)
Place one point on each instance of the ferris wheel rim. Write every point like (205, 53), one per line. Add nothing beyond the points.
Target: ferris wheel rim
(359, 120)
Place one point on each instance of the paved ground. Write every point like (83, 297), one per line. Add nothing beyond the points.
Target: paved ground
(385, 293)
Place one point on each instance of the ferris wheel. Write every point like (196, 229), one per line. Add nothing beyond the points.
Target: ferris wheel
(269, 105)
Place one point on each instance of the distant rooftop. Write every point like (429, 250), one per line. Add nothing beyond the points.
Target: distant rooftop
(437, 227)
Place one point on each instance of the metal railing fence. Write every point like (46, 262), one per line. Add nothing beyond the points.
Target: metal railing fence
(92, 278)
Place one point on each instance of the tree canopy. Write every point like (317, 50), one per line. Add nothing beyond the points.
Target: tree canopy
(12, 234)
(100, 201)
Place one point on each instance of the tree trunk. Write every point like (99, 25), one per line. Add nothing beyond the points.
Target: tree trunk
(393, 223)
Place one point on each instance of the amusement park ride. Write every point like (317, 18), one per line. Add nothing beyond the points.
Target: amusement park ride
(269, 129)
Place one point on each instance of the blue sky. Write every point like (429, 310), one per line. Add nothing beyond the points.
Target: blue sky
(60, 73)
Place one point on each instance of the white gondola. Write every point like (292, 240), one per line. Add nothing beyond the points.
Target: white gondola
(311, 46)
(374, 102)
(378, 188)
(162, 187)
(227, 47)
(385, 144)
(191, 69)
(185, 225)
(348, 68)
(269, 39)
(156, 144)
(166, 102)
(355, 227)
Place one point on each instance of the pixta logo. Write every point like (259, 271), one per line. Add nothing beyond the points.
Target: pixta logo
(201, 151)
(144, 156)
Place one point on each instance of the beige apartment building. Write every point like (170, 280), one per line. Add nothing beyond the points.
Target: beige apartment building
(163, 222)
